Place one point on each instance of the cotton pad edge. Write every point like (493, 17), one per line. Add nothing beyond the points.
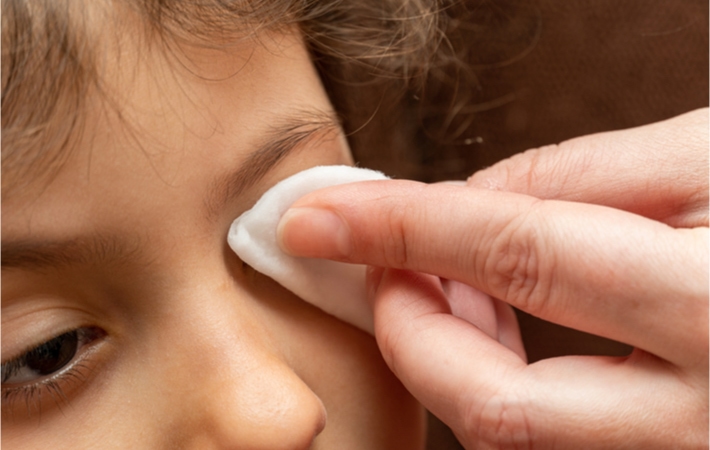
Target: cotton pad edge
(336, 288)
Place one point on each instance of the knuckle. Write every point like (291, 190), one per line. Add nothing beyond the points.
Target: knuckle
(396, 240)
(502, 421)
(518, 268)
(532, 169)
(555, 171)
(537, 166)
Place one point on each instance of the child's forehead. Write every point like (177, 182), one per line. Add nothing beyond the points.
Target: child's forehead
(156, 99)
(92, 63)
(167, 131)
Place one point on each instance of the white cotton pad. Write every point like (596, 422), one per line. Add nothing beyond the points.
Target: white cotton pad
(336, 288)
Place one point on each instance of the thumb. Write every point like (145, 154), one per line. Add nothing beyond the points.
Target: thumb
(492, 399)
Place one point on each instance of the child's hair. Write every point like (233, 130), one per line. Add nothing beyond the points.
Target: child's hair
(50, 58)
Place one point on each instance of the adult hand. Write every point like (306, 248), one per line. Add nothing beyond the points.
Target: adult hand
(606, 233)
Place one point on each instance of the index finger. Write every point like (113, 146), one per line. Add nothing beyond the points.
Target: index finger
(588, 267)
(659, 170)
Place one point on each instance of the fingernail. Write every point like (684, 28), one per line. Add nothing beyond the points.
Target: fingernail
(313, 232)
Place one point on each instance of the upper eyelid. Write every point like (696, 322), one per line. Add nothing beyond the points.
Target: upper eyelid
(28, 348)
(31, 318)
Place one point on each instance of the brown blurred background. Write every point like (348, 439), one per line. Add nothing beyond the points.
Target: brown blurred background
(543, 71)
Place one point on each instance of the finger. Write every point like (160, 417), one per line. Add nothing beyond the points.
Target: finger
(588, 267)
(410, 306)
(472, 305)
(659, 171)
(493, 317)
(509, 333)
(491, 399)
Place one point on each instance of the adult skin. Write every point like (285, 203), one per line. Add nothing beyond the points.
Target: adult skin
(607, 234)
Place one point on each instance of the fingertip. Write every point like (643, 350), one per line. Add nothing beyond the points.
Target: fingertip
(314, 233)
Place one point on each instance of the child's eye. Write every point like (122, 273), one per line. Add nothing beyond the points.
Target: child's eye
(43, 360)
(49, 366)
(49, 357)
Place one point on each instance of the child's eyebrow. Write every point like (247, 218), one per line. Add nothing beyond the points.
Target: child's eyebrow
(298, 129)
(290, 135)
(71, 252)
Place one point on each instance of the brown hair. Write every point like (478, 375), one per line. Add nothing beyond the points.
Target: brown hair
(49, 62)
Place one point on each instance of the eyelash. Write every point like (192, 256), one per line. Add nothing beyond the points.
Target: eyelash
(72, 370)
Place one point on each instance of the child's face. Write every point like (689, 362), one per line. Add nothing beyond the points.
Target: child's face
(178, 344)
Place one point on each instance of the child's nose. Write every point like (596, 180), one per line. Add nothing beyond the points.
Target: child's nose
(232, 385)
(269, 409)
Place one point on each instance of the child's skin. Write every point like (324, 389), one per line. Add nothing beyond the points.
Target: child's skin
(129, 236)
